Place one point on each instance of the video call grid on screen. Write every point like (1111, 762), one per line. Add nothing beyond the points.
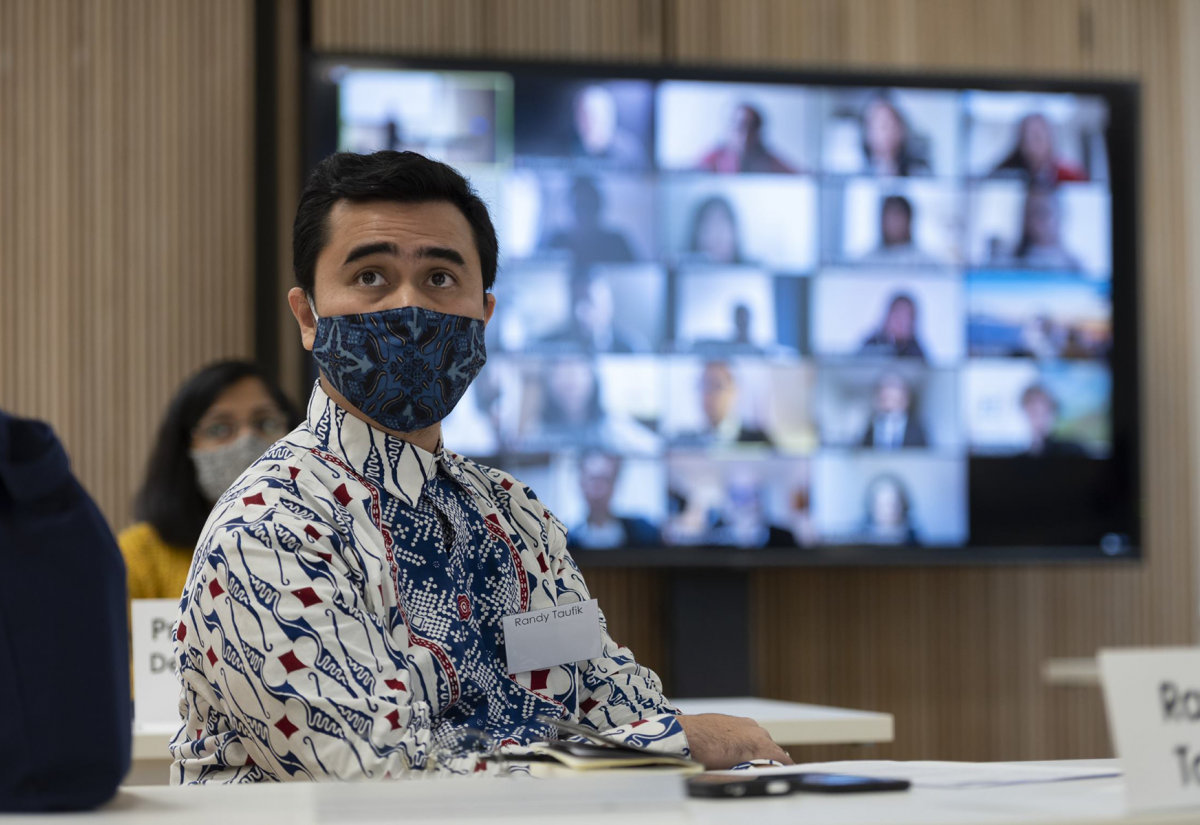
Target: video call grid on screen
(826, 319)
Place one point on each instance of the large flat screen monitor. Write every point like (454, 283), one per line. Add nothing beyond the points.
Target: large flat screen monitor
(748, 318)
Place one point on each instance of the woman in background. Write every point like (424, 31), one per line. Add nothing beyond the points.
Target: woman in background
(219, 422)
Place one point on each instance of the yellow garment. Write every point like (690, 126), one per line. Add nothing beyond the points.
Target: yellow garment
(156, 570)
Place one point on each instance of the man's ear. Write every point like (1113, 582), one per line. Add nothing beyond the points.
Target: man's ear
(298, 301)
(489, 307)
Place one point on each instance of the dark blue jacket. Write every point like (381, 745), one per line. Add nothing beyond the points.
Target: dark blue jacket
(64, 659)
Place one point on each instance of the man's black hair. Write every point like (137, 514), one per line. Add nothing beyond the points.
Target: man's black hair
(170, 498)
(400, 177)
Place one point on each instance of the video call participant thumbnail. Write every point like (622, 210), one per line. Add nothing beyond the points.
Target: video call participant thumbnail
(596, 124)
(897, 333)
(723, 422)
(589, 238)
(1035, 157)
(355, 658)
(743, 149)
(601, 528)
(893, 423)
(887, 140)
(590, 328)
(896, 244)
(887, 507)
(1042, 411)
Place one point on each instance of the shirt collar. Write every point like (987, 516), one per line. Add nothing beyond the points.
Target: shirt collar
(401, 467)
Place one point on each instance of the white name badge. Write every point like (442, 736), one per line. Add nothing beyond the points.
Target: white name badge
(553, 636)
(155, 686)
(1153, 699)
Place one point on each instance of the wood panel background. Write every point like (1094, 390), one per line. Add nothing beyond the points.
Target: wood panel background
(126, 222)
(954, 653)
(126, 257)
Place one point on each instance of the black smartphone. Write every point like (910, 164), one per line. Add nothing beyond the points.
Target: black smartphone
(732, 786)
(842, 783)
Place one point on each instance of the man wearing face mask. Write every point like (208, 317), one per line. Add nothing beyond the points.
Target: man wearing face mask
(343, 618)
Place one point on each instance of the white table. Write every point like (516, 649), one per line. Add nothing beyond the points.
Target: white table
(632, 800)
(793, 723)
(789, 723)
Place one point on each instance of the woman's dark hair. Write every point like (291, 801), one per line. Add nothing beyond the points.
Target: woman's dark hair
(722, 205)
(170, 499)
(399, 177)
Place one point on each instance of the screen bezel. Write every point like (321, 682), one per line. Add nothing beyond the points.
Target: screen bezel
(1124, 100)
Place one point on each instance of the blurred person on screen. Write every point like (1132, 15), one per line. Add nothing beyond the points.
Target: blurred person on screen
(590, 328)
(1035, 158)
(601, 528)
(896, 245)
(887, 141)
(893, 423)
(723, 424)
(1041, 411)
(897, 334)
(1040, 246)
(744, 521)
(1042, 337)
(597, 132)
(743, 149)
(740, 340)
(888, 512)
(219, 422)
(572, 414)
(588, 239)
(714, 237)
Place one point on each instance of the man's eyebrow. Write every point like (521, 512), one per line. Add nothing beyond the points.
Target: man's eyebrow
(371, 249)
(441, 253)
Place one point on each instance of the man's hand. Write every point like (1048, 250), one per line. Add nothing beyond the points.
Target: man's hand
(719, 742)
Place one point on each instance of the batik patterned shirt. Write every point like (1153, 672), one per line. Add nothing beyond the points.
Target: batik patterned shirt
(342, 619)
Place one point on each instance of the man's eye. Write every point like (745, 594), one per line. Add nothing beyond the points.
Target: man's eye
(441, 279)
(370, 278)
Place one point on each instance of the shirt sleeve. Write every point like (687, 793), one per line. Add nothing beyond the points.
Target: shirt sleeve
(617, 696)
(288, 666)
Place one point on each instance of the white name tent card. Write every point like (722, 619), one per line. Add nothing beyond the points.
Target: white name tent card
(1153, 700)
(553, 636)
(155, 687)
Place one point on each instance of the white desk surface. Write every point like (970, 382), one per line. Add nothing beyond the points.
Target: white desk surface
(793, 723)
(604, 799)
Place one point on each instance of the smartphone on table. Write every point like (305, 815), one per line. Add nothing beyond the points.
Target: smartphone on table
(733, 786)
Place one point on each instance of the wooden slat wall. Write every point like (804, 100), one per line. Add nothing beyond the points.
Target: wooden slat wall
(125, 216)
(955, 654)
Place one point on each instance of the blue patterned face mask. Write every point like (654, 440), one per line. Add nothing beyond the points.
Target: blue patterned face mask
(403, 368)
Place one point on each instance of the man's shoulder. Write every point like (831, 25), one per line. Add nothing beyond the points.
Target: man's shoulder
(504, 490)
(286, 482)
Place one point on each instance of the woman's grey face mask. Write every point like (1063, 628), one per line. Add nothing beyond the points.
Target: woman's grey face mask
(218, 468)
